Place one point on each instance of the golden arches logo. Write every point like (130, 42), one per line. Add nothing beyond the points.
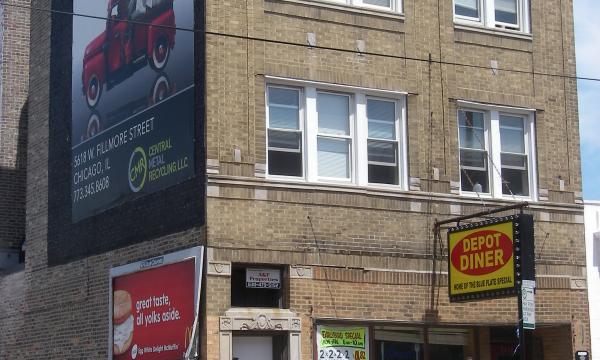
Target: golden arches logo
(188, 337)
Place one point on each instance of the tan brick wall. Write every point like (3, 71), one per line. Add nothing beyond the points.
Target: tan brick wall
(250, 219)
(359, 232)
(13, 122)
(235, 67)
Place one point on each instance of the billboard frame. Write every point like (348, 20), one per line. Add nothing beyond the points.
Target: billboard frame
(174, 209)
(518, 262)
(196, 253)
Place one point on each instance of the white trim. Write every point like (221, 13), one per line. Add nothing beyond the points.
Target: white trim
(399, 141)
(362, 127)
(489, 107)
(395, 5)
(196, 253)
(467, 19)
(487, 17)
(358, 127)
(311, 126)
(493, 147)
(301, 117)
(495, 165)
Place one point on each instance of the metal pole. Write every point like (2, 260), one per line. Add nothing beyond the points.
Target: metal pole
(522, 354)
(433, 268)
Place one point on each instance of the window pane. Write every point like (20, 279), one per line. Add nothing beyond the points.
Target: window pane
(474, 180)
(383, 174)
(515, 175)
(472, 138)
(468, 8)
(514, 161)
(474, 171)
(382, 152)
(283, 108)
(285, 153)
(473, 159)
(515, 182)
(506, 11)
(285, 140)
(512, 134)
(471, 129)
(382, 119)
(384, 3)
(383, 167)
(446, 352)
(285, 163)
(242, 296)
(283, 96)
(395, 350)
(333, 114)
(471, 119)
(333, 157)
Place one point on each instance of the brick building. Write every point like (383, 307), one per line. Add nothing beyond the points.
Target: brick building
(337, 132)
(14, 85)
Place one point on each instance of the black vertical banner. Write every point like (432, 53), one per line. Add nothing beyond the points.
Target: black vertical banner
(527, 244)
(126, 147)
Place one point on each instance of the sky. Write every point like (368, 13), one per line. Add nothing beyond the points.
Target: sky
(587, 47)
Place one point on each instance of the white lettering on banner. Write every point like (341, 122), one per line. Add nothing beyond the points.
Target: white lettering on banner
(263, 278)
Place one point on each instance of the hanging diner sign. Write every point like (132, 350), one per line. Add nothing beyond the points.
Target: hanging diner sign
(481, 257)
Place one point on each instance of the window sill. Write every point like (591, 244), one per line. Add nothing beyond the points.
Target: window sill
(340, 184)
(500, 198)
(493, 31)
(347, 8)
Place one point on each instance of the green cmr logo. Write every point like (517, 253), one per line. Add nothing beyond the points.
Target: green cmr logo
(138, 168)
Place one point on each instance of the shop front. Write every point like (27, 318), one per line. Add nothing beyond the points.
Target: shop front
(345, 341)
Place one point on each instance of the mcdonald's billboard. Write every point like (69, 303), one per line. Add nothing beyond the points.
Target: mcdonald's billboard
(154, 307)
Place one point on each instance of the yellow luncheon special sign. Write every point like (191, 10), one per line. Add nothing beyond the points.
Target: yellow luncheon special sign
(342, 343)
(481, 261)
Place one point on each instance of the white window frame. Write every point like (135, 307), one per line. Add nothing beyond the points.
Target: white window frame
(314, 133)
(492, 145)
(301, 126)
(487, 17)
(358, 132)
(395, 5)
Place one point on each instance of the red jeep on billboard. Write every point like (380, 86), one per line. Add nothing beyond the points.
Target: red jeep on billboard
(138, 32)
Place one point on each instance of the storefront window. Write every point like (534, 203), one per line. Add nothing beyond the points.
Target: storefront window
(410, 343)
(448, 344)
(399, 343)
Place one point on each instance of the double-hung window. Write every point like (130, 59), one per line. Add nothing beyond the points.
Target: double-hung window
(503, 14)
(497, 152)
(285, 131)
(336, 134)
(334, 139)
(383, 141)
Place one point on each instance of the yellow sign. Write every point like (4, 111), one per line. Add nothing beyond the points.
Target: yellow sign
(481, 261)
(342, 343)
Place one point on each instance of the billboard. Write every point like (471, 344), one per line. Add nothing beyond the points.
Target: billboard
(481, 261)
(342, 342)
(132, 101)
(154, 307)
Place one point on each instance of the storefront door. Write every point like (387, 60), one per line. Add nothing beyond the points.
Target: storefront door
(253, 347)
